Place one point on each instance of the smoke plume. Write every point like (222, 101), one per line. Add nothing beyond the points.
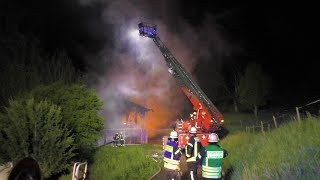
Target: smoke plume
(134, 68)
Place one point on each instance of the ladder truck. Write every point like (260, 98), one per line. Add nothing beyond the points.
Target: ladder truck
(206, 118)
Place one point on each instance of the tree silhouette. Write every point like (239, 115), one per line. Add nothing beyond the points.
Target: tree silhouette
(254, 87)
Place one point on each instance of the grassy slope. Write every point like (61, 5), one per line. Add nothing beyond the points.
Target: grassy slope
(292, 150)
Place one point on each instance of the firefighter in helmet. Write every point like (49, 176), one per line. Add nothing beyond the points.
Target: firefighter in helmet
(121, 139)
(172, 155)
(193, 115)
(116, 140)
(192, 149)
(210, 157)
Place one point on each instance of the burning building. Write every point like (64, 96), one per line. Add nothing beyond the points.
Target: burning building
(132, 124)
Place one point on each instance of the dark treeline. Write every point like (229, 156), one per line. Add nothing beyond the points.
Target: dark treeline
(31, 52)
(47, 109)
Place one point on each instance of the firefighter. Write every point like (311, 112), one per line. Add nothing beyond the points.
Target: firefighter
(210, 157)
(193, 115)
(172, 155)
(121, 139)
(116, 140)
(192, 149)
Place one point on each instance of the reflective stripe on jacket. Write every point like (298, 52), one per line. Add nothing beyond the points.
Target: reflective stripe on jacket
(211, 157)
(172, 156)
(192, 148)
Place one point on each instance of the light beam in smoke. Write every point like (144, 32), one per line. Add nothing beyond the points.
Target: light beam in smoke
(137, 70)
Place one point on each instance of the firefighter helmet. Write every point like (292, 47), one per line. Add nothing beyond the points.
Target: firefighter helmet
(174, 134)
(193, 130)
(213, 137)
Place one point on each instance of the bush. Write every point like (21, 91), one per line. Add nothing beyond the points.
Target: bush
(35, 129)
(80, 111)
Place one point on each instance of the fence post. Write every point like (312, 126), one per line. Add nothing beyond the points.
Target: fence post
(275, 122)
(298, 114)
(261, 126)
(253, 130)
(268, 127)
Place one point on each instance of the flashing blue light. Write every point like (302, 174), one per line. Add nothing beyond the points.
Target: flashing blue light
(147, 30)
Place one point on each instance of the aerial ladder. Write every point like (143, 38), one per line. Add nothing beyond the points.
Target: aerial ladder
(206, 117)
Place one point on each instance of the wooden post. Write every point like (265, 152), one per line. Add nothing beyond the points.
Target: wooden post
(275, 122)
(241, 123)
(253, 129)
(298, 114)
(261, 126)
(269, 127)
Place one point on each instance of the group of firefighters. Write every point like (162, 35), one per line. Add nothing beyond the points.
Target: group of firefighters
(118, 140)
(208, 157)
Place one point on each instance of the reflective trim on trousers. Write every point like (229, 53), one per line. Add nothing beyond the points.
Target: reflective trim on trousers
(191, 175)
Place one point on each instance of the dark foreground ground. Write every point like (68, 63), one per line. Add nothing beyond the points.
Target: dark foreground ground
(183, 166)
(184, 169)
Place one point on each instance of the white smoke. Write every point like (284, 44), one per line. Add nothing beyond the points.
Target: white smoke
(135, 67)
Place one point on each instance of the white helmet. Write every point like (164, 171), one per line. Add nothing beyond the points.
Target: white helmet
(213, 137)
(174, 134)
(193, 130)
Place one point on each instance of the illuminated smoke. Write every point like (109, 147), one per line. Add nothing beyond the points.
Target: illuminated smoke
(135, 68)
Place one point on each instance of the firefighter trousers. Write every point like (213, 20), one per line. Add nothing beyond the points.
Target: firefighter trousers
(193, 170)
(173, 175)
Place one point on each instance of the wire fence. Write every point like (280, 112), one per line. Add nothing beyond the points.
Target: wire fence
(293, 114)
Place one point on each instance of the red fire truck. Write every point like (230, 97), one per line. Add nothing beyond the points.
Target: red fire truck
(206, 117)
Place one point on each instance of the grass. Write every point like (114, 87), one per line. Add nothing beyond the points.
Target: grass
(130, 162)
(237, 122)
(291, 151)
(122, 163)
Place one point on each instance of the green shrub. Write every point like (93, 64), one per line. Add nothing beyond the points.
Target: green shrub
(35, 129)
(80, 108)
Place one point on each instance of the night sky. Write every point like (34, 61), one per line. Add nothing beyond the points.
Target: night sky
(283, 40)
